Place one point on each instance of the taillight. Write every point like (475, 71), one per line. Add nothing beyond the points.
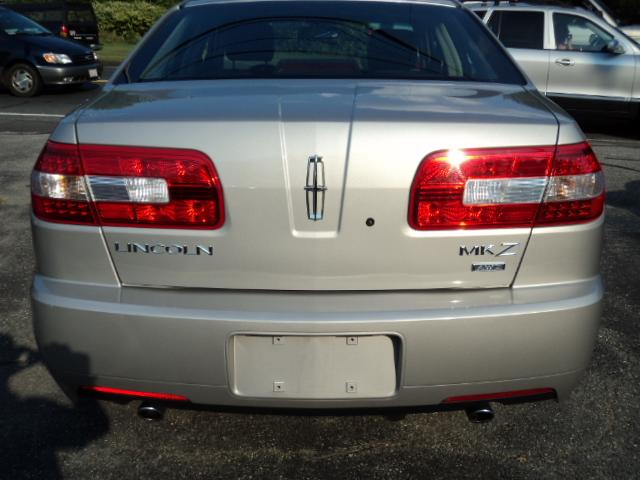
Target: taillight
(575, 192)
(127, 186)
(58, 188)
(507, 187)
(64, 31)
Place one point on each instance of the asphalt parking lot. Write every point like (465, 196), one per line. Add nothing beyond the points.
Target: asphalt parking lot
(595, 434)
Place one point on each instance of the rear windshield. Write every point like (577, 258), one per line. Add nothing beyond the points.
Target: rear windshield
(80, 14)
(44, 16)
(352, 39)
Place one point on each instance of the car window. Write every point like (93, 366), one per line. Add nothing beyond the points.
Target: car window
(80, 15)
(309, 39)
(13, 23)
(480, 13)
(45, 15)
(518, 29)
(579, 34)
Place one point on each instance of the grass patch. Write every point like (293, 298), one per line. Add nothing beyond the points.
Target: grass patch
(114, 51)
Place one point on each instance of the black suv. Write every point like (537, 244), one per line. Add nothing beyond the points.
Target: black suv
(75, 20)
(31, 57)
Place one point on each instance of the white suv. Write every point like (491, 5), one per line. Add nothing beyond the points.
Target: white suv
(571, 55)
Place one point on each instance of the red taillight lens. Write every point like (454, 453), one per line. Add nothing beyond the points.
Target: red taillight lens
(128, 186)
(504, 187)
(169, 397)
(64, 31)
(181, 187)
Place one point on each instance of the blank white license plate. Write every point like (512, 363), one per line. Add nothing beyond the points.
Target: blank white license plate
(93, 73)
(314, 367)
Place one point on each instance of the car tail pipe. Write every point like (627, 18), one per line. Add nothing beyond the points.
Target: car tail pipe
(480, 413)
(151, 410)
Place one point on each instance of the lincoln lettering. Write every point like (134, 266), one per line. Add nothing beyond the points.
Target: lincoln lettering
(162, 249)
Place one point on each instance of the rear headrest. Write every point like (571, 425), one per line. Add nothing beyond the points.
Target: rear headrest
(252, 42)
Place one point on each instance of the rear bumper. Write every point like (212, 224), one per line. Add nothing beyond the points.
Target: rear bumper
(68, 74)
(90, 41)
(450, 343)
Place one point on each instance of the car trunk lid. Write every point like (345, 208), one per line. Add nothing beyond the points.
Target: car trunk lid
(364, 140)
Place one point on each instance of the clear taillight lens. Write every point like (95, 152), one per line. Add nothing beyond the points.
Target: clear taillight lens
(506, 187)
(127, 186)
(576, 187)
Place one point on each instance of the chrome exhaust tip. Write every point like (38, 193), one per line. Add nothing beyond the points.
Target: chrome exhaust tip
(480, 413)
(151, 411)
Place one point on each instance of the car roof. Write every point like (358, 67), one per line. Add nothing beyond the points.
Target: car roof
(442, 3)
(541, 5)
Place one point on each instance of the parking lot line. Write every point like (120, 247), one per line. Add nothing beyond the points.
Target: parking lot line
(16, 114)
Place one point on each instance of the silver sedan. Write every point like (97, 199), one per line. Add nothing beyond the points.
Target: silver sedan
(322, 204)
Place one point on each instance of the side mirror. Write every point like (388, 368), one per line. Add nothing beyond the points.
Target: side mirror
(614, 47)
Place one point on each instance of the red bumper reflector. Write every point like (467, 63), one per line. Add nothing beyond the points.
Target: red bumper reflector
(134, 393)
(484, 397)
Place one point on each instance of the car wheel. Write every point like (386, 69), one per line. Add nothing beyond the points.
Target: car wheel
(23, 80)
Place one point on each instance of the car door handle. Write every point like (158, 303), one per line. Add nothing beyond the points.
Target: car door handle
(567, 62)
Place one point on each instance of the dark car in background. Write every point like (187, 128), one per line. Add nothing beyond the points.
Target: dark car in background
(74, 20)
(32, 57)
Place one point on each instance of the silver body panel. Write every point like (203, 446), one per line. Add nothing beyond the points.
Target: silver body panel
(427, 327)
(536, 65)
